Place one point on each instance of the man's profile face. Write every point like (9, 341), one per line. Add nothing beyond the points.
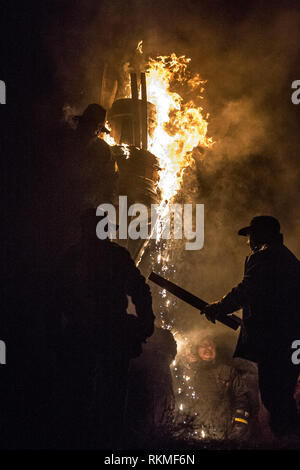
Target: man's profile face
(252, 242)
(207, 350)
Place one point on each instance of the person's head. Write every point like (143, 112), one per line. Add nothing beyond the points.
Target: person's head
(206, 349)
(92, 120)
(263, 230)
(162, 342)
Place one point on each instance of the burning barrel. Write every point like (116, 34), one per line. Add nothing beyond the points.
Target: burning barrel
(131, 120)
(122, 118)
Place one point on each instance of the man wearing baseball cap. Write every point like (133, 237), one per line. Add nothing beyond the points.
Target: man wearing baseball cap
(269, 295)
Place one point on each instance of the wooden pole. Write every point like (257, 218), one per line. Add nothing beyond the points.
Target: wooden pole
(135, 111)
(144, 123)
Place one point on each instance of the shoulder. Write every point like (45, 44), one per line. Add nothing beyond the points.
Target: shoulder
(242, 366)
(272, 253)
(121, 250)
(289, 256)
(121, 253)
(263, 256)
(99, 145)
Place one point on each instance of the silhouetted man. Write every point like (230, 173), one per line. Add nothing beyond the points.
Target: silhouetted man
(99, 338)
(87, 174)
(270, 297)
(91, 168)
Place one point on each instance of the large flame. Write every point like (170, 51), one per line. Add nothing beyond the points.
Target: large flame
(180, 125)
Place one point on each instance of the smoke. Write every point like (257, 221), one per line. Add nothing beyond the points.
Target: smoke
(248, 55)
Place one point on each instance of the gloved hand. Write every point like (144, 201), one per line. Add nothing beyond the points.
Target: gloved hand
(211, 311)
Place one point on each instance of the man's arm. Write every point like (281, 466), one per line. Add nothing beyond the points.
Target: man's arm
(139, 291)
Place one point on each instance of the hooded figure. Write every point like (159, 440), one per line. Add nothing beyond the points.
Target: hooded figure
(269, 295)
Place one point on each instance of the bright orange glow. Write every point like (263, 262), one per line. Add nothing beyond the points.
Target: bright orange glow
(180, 125)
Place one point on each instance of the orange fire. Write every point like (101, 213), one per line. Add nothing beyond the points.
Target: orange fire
(180, 125)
